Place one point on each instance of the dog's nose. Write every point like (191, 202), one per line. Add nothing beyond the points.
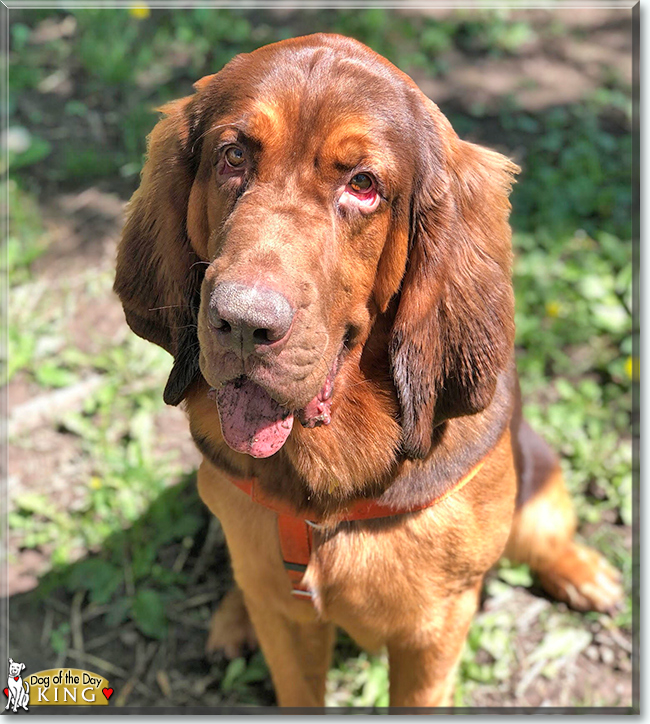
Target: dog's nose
(246, 317)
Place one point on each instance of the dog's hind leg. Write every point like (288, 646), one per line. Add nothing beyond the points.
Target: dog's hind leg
(543, 532)
(231, 630)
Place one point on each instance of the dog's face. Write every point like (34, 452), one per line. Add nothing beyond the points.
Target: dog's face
(283, 207)
(296, 193)
(15, 668)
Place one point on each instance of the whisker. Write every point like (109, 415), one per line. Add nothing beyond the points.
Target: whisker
(170, 306)
(214, 128)
(363, 382)
(192, 346)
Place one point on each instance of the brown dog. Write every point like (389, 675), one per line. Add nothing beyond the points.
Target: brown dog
(313, 244)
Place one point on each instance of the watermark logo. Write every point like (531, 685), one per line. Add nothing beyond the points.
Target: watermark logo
(17, 692)
(55, 687)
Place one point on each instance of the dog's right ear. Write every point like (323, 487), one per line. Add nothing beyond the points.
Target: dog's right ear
(158, 278)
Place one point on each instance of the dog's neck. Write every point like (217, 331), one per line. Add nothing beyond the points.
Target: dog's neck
(357, 455)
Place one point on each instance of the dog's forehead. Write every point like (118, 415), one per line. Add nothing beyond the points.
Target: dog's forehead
(319, 126)
(314, 83)
(314, 61)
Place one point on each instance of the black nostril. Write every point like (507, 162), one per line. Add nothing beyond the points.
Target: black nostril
(223, 326)
(262, 336)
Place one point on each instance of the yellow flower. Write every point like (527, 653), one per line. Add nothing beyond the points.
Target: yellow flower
(141, 12)
(95, 483)
(632, 368)
(553, 309)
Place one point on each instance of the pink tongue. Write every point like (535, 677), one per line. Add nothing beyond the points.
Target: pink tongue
(251, 421)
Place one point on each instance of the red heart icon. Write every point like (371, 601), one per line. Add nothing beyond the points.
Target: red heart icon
(6, 691)
(16, 678)
(107, 693)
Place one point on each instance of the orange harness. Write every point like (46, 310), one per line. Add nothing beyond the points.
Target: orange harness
(296, 531)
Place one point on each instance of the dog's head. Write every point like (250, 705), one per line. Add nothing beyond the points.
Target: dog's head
(15, 667)
(303, 191)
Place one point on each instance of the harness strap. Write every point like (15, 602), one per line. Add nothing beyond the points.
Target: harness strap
(296, 530)
(296, 545)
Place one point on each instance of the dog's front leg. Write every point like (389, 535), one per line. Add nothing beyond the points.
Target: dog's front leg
(296, 644)
(298, 655)
(423, 667)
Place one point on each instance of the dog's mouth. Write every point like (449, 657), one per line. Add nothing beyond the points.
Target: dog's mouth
(252, 422)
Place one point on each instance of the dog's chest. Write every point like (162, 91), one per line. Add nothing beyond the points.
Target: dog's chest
(372, 577)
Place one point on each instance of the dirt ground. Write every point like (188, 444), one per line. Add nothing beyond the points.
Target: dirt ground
(84, 229)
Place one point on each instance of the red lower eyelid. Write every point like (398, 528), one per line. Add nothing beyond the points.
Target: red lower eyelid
(363, 202)
(228, 170)
(361, 194)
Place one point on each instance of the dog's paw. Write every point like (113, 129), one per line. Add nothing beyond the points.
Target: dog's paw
(231, 630)
(584, 579)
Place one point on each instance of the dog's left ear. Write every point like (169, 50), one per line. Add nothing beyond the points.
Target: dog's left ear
(22, 666)
(454, 327)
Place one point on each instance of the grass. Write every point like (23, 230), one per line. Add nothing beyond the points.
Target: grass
(155, 56)
(573, 272)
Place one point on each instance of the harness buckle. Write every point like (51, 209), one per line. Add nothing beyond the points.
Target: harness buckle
(299, 593)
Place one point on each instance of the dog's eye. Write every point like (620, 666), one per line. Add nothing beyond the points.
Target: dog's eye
(235, 156)
(360, 193)
(361, 183)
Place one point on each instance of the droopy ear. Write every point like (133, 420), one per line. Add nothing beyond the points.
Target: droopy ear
(454, 327)
(158, 279)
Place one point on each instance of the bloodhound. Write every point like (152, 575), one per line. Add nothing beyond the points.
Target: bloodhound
(330, 267)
